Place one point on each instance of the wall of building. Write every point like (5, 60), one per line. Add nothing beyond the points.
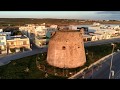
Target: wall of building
(18, 43)
(41, 42)
(66, 50)
(3, 44)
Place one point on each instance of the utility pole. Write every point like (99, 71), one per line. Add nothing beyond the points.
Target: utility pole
(111, 60)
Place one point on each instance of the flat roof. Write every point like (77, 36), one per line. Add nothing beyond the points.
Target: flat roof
(87, 36)
(19, 37)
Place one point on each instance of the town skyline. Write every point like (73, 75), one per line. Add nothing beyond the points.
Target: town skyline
(93, 15)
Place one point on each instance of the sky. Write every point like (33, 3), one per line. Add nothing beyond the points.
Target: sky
(94, 15)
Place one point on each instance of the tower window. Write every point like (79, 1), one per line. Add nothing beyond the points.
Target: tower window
(63, 48)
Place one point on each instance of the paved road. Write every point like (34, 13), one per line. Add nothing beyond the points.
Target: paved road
(7, 59)
(102, 71)
(107, 41)
(117, 75)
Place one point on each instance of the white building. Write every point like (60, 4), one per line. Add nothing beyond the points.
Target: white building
(3, 43)
(17, 42)
(104, 27)
(114, 27)
(72, 27)
(28, 30)
(8, 34)
(96, 24)
(40, 30)
(98, 36)
(1, 30)
(3, 38)
(36, 33)
(41, 41)
(53, 26)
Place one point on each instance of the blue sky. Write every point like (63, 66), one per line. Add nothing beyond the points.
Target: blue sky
(62, 14)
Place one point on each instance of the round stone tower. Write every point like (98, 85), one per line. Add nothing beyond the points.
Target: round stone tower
(66, 49)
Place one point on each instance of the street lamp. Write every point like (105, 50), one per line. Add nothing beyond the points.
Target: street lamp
(87, 52)
(112, 73)
(83, 76)
(92, 73)
(111, 60)
(118, 50)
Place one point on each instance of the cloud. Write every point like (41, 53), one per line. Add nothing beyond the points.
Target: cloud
(109, 12)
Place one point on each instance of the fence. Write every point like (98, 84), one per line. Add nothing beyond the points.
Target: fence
(95, 63)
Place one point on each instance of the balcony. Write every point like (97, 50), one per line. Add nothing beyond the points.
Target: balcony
(2, 43)
(18, 46)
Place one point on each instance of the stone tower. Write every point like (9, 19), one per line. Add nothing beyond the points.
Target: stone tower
(66, 49)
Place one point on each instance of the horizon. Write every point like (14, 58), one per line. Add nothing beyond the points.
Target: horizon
(86, 15)
(51, 18)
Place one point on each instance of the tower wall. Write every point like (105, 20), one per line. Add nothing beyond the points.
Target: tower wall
(66, 50)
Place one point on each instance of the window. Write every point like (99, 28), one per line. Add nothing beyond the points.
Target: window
(24, 43)
(12, 43)
(63, 48)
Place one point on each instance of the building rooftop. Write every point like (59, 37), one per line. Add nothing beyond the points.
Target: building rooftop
(87, 35)
(93, 34)
(41, 37)
(64, 30)
(18, 37)
(4, 33)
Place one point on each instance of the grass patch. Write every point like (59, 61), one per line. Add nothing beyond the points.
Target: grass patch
(17, 69)
(94, 53)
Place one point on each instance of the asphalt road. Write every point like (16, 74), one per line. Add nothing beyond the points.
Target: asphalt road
(100, 42)
(8, 58)
(102, 71)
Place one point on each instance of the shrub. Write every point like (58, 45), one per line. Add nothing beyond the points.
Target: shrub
(21, 49)
(12, 50)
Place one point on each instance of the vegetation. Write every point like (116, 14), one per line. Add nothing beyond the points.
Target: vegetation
(12, 50)
(94, 53)
(17, 33)
(22, 21)
(10, 28)
(26, 68)
(22, 49)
